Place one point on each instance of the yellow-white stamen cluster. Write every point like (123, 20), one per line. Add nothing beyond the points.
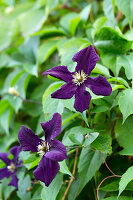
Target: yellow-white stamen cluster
(11, 167)
(42, 148)
(13, 91)
(79, 78)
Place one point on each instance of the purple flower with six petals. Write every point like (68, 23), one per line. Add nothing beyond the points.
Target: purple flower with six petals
(76, 82)
(51, 150)
(11, 165)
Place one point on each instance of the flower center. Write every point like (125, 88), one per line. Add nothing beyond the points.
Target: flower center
(11, 167)
(43, 148)
(79, 78)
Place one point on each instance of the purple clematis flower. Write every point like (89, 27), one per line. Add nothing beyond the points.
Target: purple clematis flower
(51, 150)
(11, 166)
(76, 82)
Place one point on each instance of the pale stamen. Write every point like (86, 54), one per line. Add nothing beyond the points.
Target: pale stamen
(11, 167)
(43, 148)
(79, 78)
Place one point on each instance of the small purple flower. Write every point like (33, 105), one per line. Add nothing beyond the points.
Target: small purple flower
(76, 82)
(51, 150)
(11, 166)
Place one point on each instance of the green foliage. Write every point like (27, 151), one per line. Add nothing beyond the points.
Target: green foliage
(50, 193)
(38, 35)
(126, 178)
(127, 9)
(126, 104)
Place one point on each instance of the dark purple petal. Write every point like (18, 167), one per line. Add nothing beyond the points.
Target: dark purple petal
(99, 85)
(86, 59)
(65, 92)
(28, 140)
(46, 170)
(52, 128)
(15, 151)
(19, 164)
(4, 173)
(82, 99)
(57, 151)
(14, 181)
(4, 157)
(60, 72)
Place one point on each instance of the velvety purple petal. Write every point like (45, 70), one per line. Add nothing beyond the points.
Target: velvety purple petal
(19, 164)
(28, 140)
(65, 92)
(57, 151)
(46, 170)
(4, 173)
(86, 59)
(52, 128)
(82, 99)
(14, 181)
(4, 157)
(60, 72)
(99, 85)
(15, 151)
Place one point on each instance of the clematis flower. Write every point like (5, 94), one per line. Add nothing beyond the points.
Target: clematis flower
(11, 166)
(50, 149)
(76, 82)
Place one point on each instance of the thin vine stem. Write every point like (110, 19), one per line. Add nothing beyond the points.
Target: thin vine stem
(73, 173)
(103, 181)
(25, 100)
(113, 174)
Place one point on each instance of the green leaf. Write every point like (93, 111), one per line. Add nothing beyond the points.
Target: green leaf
(90, 138)
(126, 61)
(103, 143)
(85, 13)
(51, 105)
(23, 185)
(109, 61)
(109, 40)
(75, 136)
(5, 119)
(5, 191)
(119, 80)
(46, 50)
(66, 21)
(73, 24)
(126, 8)
(37, 194)
(126, 103)
(31, 162)
(73, 189)
(8, 30)
(50, 4)
(50, 31)
(28, 51)
(64, 168)
(120, 198)
(126, 178)
(124, 133)
(68, 49)
(4, 104)
(128, 151)
(100, 69)
(108, 11)
(98, 24)
(129, 34)
(50, 193)
(114, 186)
(34, 20)
(67, 117)
(89, 163)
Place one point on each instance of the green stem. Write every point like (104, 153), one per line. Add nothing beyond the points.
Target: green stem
(70, 118)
